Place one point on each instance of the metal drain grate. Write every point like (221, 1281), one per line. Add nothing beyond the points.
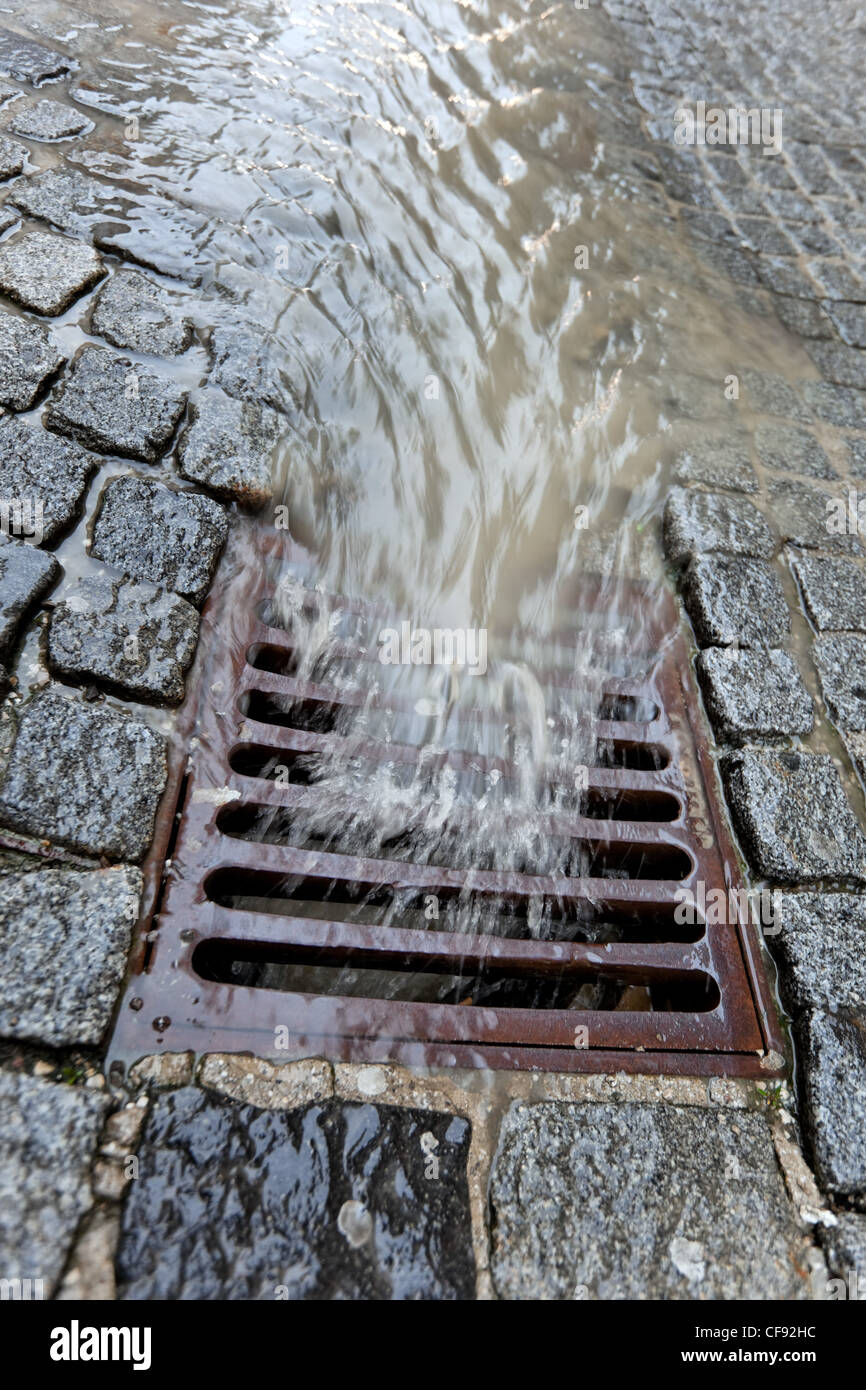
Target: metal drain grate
(227, 961)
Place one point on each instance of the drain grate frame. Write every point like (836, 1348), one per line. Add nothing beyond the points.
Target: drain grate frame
(169, 1004)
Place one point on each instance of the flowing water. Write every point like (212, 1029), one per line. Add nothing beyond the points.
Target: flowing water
(489, 338)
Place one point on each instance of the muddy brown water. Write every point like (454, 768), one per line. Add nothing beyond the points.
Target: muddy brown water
(492, 338)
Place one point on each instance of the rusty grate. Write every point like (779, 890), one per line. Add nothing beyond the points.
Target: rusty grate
(226, 960)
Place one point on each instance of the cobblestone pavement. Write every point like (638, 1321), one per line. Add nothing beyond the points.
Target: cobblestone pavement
(756, 1193)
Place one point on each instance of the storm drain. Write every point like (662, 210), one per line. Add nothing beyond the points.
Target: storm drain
(250, 942)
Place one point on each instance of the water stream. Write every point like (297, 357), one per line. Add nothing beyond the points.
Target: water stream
(489, 339)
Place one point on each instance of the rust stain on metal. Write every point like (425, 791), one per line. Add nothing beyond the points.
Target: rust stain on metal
(171, 1003)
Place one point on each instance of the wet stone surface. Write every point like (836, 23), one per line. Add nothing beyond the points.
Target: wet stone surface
(844, 365)
(228, 446)
(328, 1202)
(804, 318)
(46, 471)
(85, 776)
(107, 403)
(133, 638)
(735, 600)
(838, 405)
(160, 237)
(26, 575)
(641, 1201)
(64, 939)
(692, 397)
(717, 462)
(45, 272)
(753, 695)
(833, 1052)
(244, 366)
(841, 661)
(793, 816)
(834, 592)
(803, 516)
(773, 395)
(29, 61)
(156, 534)
(47, 1141)
(821, 945)
(49, 120)
(13, 157)
(792, 450)
(29, 357)
(695, 522)
(850, 322)
(845, 1248)
(132, 312)
(68, 199)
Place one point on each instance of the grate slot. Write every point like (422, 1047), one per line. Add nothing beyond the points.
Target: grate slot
(295, 970)
(343, 901)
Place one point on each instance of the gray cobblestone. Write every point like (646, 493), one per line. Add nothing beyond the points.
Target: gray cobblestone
(68, 199)
(26, 575)
(65, 937)
(735, 599)
(29, 61)
(839, 405)
(850, 320)
(130, 637)
(244, 366)
(29, 357)
(13, 157)
(110, 404)
(841, 661)
(679, 1233)
(85, 777)
(722, 461)
(792, 450)
(162, 237)
(754, 696)
(156, 534)
(48, 1139)
(834, 591)
(820, 941)
(343, 1209)
(695, 522)
(49, 472)
(133, 312)
(804, 318)
(45, 272)
(845, 1247)
(49, 120)
(773, 395)
(229, 447)
(802, 515)
(793, 817)
(842, 365)
(836, 280)
(834, 1082)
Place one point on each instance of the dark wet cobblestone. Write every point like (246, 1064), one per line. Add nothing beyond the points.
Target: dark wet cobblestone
(114, 405)
(333, 1201)
(128, 636)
